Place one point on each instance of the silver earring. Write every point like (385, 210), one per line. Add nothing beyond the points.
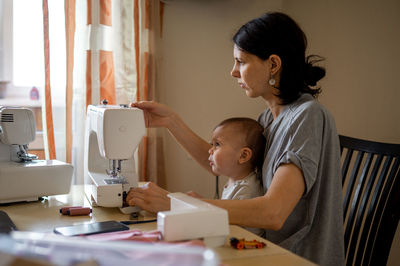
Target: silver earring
(272, 81)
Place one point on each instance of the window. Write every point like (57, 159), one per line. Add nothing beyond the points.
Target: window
(27, 44)
(22, 58)
(22, 50)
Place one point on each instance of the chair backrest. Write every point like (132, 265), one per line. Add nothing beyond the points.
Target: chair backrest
(371, 199)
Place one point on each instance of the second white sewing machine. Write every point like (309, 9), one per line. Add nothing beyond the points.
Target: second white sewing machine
(22, 176)
(113, 133)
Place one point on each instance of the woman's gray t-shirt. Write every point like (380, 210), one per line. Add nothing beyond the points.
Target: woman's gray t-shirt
(304, 134)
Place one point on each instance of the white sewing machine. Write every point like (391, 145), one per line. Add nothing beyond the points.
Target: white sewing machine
(112, 136)
(22, 176)
(191, 218)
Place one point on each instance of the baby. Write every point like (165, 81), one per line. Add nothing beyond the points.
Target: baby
(237, 152)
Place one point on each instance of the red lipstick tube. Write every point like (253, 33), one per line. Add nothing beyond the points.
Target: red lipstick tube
(64, 210)
(79, 211)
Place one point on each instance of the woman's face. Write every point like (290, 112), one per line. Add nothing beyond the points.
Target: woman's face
(252, 73)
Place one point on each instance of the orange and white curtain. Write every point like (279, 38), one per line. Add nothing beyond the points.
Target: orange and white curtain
(109, 55)
(148, 19)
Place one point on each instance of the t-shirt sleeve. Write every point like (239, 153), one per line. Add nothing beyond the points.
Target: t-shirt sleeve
(304, 144)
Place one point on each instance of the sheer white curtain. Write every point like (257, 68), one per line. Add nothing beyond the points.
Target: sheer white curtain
(57, 78)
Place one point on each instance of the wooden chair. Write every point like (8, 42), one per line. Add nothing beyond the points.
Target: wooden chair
(371, 199)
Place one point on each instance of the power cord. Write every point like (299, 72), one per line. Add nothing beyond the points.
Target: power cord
(216, 196)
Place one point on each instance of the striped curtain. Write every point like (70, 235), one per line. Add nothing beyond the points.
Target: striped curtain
(109, 46)
(100, 78)
(148, 32)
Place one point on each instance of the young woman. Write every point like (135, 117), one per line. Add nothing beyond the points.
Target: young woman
(301, 209)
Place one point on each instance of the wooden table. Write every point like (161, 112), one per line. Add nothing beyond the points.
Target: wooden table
(43, 216)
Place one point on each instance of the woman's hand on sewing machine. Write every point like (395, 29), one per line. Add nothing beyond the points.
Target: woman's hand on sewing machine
(160, 115)
(155, 114)
(149, 197)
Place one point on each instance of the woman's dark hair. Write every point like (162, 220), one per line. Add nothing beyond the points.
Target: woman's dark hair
(254, 138)
(277, 33)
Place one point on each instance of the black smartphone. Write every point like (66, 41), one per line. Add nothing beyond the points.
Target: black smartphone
(90, 229)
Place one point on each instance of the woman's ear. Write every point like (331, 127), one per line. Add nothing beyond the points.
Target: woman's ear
(276, 63)
(245, 155)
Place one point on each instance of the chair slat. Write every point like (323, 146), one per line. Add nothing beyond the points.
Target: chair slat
(352, 180)
(346, 164)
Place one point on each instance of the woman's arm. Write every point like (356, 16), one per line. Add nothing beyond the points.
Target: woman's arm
(271, 210)
(190, 141)
(159, 115)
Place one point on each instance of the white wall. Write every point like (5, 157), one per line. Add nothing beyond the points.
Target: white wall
(359, 39)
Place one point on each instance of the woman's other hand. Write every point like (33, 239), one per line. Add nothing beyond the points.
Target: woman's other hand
(149, 197)
(155, 114)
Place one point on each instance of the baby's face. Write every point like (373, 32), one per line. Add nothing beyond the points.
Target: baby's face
(225, 151)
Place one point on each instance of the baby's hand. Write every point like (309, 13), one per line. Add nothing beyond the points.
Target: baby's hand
(193, 194)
